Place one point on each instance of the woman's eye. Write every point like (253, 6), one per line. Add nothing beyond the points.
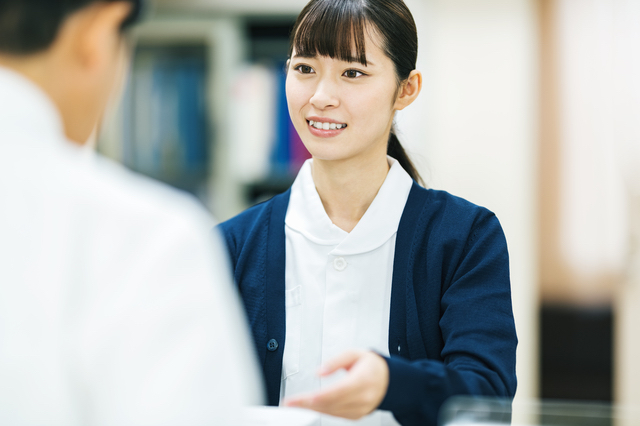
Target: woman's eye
(352, 73)
(304, 69)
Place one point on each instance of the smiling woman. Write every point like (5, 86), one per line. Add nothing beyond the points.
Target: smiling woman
(357, 267)
(361, 36)
(360, 97)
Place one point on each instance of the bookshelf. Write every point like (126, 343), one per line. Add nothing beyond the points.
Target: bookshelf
(204, 107)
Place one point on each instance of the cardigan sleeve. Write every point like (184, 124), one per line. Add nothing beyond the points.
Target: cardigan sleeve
(479, 340)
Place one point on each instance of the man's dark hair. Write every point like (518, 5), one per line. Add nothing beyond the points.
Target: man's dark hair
(30, 26)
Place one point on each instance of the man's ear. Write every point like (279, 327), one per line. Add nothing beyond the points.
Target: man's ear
(409, 90)
(98, 32)
(84, 62)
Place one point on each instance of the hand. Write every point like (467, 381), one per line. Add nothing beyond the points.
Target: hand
(359, 393)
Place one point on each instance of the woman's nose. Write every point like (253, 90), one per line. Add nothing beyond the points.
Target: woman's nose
(325, 95)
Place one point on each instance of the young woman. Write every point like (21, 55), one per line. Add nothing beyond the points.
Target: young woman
(368, 295)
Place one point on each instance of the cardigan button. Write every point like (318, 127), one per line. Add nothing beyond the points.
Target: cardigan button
(272, 345)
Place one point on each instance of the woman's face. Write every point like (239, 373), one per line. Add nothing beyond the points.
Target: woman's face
(340, 109)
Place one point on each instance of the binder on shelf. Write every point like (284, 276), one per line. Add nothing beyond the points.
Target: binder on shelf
(267, 150)
(165, 132)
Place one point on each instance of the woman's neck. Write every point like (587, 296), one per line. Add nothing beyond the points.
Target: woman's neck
(347, 188)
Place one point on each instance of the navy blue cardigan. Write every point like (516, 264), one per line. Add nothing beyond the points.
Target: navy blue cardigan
(451, 328)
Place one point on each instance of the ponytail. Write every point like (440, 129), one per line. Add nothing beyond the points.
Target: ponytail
(395, 150)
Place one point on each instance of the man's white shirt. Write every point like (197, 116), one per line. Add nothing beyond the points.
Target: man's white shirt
(116, 303)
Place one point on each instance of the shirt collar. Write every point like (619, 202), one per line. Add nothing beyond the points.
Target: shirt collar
(26, 110)
(307, 216)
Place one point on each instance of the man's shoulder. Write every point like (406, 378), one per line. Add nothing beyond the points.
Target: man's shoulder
(115, 193)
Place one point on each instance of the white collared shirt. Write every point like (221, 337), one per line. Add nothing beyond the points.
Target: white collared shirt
(338, 284)
(116, 308)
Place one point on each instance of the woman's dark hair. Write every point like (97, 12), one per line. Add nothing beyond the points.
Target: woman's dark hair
(31, 26)
(334, 27)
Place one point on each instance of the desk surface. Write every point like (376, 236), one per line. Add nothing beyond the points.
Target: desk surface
(277, 416)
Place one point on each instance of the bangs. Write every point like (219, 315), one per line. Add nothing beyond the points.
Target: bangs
(331, 28)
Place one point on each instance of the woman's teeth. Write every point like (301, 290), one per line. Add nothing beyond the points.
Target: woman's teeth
(326, 126)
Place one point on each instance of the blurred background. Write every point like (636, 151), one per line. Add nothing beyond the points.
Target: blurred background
(530, 108)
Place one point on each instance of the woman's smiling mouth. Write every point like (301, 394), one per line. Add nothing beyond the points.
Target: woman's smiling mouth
(325, 125)
(325, 128)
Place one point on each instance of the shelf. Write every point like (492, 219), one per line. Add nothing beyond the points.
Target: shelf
(245, 7)
(228, 49)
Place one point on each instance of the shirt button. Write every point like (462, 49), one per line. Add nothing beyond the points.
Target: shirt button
(272, 345)
(339, 263)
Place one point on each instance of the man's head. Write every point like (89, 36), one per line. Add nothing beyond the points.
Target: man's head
(72, 49)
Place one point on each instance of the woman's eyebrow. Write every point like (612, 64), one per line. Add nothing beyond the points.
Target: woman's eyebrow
(355, 61)
(303, 55)
(313, 56)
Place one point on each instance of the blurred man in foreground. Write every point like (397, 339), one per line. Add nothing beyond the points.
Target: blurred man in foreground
(115, 307)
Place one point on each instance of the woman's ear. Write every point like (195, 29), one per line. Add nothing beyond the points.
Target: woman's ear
(409, 90)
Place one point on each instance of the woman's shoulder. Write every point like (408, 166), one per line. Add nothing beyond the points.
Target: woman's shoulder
(442, 216)
(443, 204)
(255, 217)
(451, 231)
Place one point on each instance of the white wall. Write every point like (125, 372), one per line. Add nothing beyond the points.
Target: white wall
(596, 67)
(592, 228)
(474, 130)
